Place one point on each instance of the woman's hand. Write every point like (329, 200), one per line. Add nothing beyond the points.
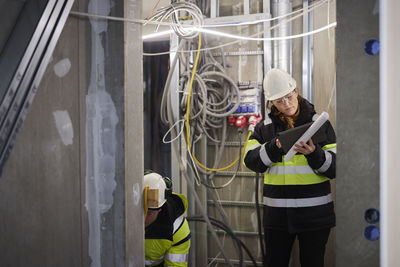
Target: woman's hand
(278, 143)
(305, 148)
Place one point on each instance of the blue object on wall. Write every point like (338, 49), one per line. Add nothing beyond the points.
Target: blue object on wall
(371, 216)
(372, 233)
(371, 47)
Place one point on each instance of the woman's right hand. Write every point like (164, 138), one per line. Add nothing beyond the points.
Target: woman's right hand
(278, 143)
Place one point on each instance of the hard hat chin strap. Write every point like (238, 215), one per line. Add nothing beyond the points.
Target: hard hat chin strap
(146, 188)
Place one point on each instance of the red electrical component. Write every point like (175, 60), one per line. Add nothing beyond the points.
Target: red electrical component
(254, 120)
(241, 121)
(231, 121)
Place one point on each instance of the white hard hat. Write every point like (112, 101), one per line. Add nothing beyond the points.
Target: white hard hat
(156, 192)
(277, 84)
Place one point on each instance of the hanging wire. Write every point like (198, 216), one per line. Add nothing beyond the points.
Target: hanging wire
(171, 13)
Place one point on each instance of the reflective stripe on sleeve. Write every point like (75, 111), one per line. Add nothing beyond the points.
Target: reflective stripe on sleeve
(177, 223)
(248, 148)
(176, 257)
(155, 262)
(297, 202)
(330, 147)
(327, 163)
(264, 156)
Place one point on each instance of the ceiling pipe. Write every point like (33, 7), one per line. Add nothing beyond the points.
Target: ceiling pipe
(282, 49)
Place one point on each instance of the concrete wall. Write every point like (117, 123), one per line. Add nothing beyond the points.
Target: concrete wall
(357, 131)
(62, 191)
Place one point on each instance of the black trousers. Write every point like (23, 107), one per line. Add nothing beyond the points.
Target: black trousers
(279, 246)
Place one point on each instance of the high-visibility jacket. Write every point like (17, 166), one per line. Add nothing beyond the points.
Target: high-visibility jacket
(297, 194)
(167, 240)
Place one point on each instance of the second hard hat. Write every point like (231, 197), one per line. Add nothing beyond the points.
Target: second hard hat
(277, 84)
(156, 193)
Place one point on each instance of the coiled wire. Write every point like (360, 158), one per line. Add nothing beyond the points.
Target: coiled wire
(172, 12)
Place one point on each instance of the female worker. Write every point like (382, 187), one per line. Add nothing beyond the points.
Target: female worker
(297, 195)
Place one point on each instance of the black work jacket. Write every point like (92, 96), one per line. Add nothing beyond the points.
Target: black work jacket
(294, 219)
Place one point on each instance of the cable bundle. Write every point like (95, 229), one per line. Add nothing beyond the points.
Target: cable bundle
(215, 96)
(171, 13)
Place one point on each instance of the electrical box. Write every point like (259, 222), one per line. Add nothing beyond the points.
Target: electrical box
(250, 102)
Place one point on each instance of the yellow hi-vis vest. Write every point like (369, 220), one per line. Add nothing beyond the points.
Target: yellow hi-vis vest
(294, 172)
(172, 253)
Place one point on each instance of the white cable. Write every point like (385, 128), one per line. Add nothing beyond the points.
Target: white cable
(190, 32)
(234, 42)
(197, 176)
(239, 37)
(248, 38)
(172, 11)
(162, 23)
(268, 38)
(170, 129)
(183, 29)
(311, 7)
(98, 16)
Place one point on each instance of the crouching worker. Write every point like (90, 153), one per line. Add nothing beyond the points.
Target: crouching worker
(167, 233)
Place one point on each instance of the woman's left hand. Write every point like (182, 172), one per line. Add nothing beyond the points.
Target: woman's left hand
(305, 148)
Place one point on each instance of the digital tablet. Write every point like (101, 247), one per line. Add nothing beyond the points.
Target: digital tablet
(289, 137)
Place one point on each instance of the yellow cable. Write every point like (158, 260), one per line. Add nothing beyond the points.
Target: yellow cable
(146, 188)
(188, 113)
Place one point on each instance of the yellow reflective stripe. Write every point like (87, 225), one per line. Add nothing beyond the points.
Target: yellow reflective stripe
(155, 250)
(293, 172)
(297, 202)
(251, 144)
(181, 233)
(176, 257)
(297, 160)
(175, 254)
(330, 147)
(248, 148)
(294, 179)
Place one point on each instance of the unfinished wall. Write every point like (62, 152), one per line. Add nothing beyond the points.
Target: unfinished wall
(238, 198)
(358, 132)
(62, 191)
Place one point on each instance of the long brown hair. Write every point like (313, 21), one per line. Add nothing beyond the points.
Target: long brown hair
(288, 121)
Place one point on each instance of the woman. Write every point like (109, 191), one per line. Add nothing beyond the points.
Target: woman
(297, 195)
